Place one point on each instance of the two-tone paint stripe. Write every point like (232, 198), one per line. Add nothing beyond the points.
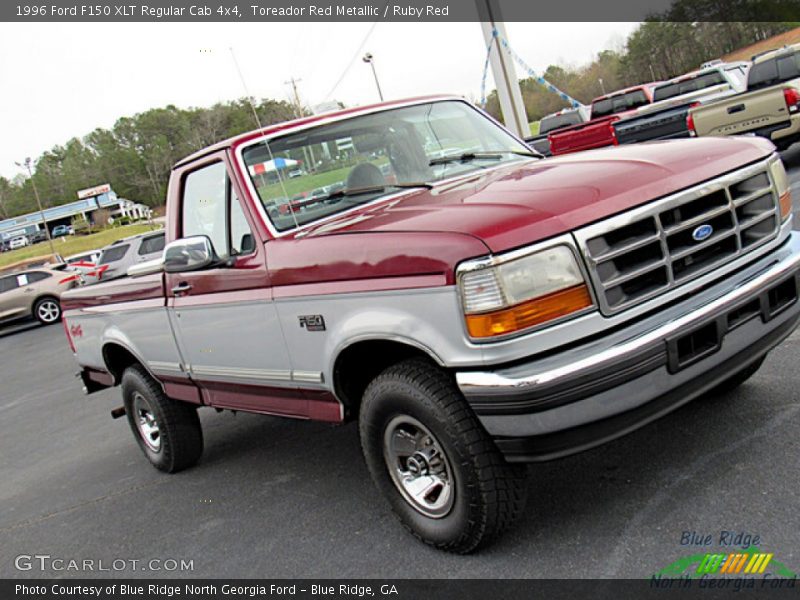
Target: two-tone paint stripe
(237, 374)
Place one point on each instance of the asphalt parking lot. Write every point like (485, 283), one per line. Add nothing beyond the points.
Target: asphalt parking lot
(281, 498)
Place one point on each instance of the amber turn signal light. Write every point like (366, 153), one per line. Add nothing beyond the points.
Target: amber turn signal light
(786, 204)
(530, 313)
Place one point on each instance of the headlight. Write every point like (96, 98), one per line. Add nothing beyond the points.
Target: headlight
(778, 173)
(516, 294)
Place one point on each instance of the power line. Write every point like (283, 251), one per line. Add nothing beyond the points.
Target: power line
(352, 60)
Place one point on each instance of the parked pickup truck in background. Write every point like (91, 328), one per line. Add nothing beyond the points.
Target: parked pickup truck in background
(555, 122)
(472, 310)
(769, 108)
(665, 118)
(599, 130)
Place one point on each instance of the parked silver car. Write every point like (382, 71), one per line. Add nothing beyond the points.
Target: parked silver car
(118, 257)
(34, 292)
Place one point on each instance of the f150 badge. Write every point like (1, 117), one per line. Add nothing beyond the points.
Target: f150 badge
(312, 322)
(702, 232)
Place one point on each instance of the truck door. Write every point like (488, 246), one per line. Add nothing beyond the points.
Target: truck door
(224, 317)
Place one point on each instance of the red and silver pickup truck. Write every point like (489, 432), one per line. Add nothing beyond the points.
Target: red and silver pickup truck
(598, 131)
(472, 306)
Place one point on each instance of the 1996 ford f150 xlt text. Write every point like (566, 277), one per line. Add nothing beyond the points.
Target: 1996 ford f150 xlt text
(474, 307)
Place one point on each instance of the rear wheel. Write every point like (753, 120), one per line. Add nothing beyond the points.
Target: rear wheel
(168, 432)
(433, 461)
(47, 310)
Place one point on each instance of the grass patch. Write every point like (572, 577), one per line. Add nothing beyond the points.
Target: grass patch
(305, 183)
(75, 244)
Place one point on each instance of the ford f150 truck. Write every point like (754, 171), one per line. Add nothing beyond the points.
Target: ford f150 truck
(769, 108)
(599, 130)
(472, 311)
(665, 118)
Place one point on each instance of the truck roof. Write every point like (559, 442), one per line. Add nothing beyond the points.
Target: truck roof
(768, 54)
(708, 69)
(305, 121)
(642, 86)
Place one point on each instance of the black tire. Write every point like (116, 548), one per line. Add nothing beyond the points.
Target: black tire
(488, 494)
(47, 310)
(737, 379)
(177, 441)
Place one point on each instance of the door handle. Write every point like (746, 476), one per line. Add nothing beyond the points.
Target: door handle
(735, 109)
(181, 288)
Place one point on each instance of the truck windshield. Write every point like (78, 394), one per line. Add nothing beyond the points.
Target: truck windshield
(305, 176)
(686, 86)
(619, 103)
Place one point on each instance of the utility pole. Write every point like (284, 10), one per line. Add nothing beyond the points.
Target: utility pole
(298, 108)
(308, 152)
(27, 165)
(505, 76)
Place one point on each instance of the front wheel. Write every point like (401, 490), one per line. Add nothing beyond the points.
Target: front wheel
(168, 432)
(433, 461)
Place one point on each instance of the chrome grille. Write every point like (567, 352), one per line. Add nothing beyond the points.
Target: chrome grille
(644, 252)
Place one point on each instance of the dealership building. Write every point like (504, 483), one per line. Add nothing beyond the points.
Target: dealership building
(90, 201)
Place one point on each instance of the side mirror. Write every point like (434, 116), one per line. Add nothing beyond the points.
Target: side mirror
(189, 254)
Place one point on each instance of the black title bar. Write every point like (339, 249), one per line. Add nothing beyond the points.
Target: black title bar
(397, 10)
(398, 589)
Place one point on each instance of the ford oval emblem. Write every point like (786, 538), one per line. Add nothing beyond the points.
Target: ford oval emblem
(702, 232)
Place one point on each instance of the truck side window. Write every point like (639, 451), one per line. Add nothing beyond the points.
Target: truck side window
(787, 67)
(204, 206)
(242, 241)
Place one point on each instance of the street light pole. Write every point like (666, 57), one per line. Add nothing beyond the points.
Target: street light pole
(27, 165)
(368, 58)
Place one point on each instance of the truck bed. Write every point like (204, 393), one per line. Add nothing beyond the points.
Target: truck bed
(748, 112)
(114, 291)
(592, 134)
(664, 125)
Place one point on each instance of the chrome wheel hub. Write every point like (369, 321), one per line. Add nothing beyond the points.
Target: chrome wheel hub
(48, 311)
(146, 422)
(418, 466)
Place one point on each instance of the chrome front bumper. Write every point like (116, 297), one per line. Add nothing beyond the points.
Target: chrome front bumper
(590, 392)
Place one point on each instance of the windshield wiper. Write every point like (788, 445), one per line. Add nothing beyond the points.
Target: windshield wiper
(376, 188)
(470, 156)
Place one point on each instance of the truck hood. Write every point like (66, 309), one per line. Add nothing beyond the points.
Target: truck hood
(529, 201)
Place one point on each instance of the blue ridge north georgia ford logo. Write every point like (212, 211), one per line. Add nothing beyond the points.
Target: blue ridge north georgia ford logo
(702, 232)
